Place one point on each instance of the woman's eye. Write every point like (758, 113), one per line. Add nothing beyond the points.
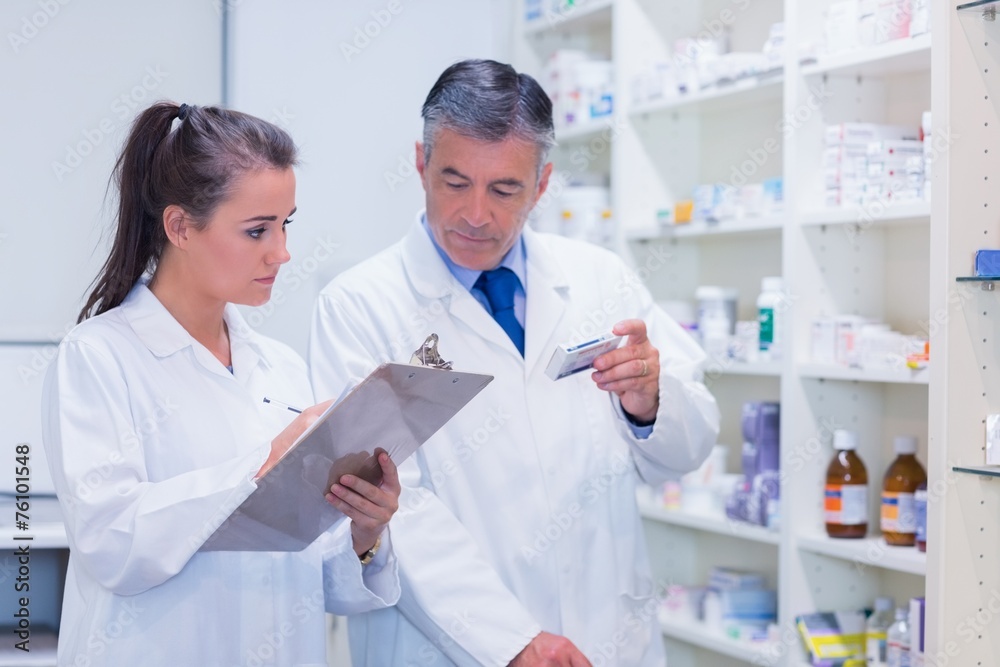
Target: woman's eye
(256, 233)
(286, 223)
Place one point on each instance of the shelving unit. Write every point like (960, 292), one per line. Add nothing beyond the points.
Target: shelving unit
(897, 57)
(893, 214)
(900, 376)
(869, 552)
(574, 19)
(693, 632)
(712, 523)
(875, 260)
(751, 90)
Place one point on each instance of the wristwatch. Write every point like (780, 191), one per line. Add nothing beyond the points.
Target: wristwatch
(367, 556)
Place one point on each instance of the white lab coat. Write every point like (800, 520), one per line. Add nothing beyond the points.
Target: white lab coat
(152, 442)
(520, 514)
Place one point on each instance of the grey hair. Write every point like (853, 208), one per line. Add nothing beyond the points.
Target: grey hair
(489, 101)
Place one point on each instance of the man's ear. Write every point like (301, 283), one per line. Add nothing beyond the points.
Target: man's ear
(543, 181)
(421, 162)
(175, 224)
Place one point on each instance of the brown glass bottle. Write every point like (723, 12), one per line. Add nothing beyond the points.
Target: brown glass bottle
(846, 501)
(905, 474)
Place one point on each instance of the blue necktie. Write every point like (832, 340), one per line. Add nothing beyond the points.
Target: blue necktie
(499, 285)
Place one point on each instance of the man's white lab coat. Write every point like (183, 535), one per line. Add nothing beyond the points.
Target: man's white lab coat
(520, 514)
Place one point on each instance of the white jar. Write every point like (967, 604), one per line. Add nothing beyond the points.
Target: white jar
(770, 313)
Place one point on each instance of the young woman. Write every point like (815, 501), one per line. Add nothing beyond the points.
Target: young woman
(156, 429)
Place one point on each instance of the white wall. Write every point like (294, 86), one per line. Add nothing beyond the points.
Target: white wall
(352, 103)
(73, 76)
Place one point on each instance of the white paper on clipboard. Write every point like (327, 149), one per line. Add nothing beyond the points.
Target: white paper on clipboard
(396, 409)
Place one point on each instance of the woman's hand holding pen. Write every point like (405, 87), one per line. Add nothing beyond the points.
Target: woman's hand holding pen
(287, 438)
(369, 507)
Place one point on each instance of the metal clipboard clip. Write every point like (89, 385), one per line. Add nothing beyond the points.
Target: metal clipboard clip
(428, 355)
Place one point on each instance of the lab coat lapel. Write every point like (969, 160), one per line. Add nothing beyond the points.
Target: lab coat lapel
(547, 292)
(431, 278)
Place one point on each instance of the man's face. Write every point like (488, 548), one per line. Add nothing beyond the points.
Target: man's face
(479, 194)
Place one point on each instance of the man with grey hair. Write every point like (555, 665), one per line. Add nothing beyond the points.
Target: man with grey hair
(518, 536)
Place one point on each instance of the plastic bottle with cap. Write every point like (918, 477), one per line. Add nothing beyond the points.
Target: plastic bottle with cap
(899, 513)
(876, 631)
(770, 304)
(846, 493)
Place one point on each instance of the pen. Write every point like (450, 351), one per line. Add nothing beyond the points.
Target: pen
(279, 404)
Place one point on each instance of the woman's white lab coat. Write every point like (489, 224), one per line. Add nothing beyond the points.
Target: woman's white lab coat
(152, 443)
(520, 514)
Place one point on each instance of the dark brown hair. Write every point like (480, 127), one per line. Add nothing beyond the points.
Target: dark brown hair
(194, 166)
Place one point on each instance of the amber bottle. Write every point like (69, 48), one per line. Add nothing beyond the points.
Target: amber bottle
(905, 474)
(846, 501)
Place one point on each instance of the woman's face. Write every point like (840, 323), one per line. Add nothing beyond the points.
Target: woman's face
(236, 256)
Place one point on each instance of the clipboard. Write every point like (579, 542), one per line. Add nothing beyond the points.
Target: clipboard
(395, 409)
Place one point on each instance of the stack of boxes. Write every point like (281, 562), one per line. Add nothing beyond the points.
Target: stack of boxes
(853, 24)
(581, 88)
(868, 162)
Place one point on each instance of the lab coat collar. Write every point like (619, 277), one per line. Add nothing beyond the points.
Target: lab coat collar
(426, 270)
(163, 335)
(547, 297)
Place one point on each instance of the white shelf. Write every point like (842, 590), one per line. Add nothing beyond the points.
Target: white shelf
(580, 18)
(895, 57)
(870, 552)
(902, 376)
(908, 213)
(584, 131)
(702, 228)
(739, 94)
(710, 523)
(757, 368)
(695, 632)
(45, 524)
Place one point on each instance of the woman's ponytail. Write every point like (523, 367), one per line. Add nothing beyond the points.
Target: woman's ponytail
(139, 234)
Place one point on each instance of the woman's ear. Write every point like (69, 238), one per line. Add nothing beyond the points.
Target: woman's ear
(175, 225)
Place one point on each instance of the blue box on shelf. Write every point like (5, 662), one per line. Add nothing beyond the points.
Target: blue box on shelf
(987, 263)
